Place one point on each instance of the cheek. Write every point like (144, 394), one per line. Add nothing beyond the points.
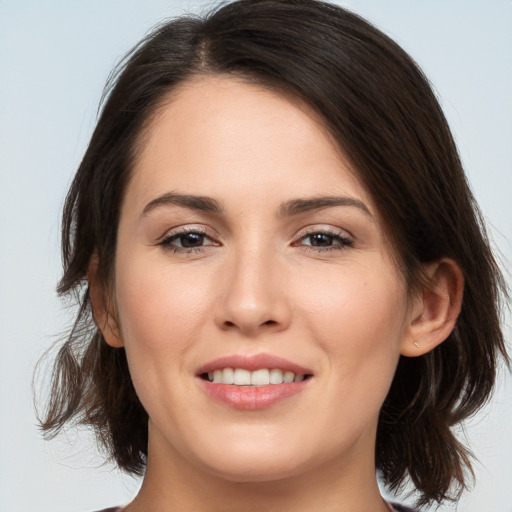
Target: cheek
(160, 312)
(367, 303)
(358, 319)
(161, 315)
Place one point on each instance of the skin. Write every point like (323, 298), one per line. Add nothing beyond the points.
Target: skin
(257, 283)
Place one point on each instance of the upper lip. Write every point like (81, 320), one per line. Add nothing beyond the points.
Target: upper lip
(252, 363)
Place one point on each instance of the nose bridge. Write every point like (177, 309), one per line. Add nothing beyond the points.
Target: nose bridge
(253, 296)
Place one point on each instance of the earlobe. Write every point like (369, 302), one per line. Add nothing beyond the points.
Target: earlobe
(435, 309)
(103, 316)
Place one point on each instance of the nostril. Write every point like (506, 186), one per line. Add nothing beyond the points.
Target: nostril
(250, 324)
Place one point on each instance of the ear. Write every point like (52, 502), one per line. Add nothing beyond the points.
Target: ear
(435, 309)
(105, 318)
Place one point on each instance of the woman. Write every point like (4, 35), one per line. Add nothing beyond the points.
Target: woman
(289, 279)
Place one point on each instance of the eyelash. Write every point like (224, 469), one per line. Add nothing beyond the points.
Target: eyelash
(166, 243)
(339, 242)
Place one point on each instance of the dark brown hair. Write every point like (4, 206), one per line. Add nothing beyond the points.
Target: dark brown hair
(380, 108)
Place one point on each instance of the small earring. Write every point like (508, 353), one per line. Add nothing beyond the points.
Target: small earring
(416, 344)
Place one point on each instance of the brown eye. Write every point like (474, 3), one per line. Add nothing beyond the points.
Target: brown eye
(320, 240)
(189, 240)
(325, 241)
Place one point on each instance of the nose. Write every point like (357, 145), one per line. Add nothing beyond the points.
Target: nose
(253, 297)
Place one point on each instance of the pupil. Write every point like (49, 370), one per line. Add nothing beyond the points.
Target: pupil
(192, 240)
(321, 239)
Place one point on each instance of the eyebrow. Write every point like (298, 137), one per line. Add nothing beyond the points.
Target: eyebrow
(297, 206)
(201, 203)
(287, 209)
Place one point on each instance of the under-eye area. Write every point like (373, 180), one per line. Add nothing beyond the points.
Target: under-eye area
(261, 377)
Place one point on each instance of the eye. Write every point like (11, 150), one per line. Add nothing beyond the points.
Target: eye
(324, 240)
(189, 240)
(319, 239)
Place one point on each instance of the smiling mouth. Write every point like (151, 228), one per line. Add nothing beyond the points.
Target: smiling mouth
(261, 377)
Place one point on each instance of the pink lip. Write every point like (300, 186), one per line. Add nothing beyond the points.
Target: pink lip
(252, 397)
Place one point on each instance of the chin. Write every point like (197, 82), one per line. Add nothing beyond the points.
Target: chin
(255, 462)
(251, 471)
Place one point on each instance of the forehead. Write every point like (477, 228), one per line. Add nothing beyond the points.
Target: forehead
(215, 134)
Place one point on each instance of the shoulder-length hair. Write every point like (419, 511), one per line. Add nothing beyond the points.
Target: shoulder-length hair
(380, 108)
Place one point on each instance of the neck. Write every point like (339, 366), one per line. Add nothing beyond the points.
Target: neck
(173, 483)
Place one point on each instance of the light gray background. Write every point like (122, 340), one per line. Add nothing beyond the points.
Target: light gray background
(54, 59)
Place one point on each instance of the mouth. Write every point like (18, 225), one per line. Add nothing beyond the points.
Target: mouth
(253, 382)
(259, 377)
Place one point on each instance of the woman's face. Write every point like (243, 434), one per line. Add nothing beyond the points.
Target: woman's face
(247, 249)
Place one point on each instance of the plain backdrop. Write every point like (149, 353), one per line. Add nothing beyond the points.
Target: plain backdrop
(54, 59)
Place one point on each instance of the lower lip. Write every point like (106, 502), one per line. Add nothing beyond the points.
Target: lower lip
(253, 397)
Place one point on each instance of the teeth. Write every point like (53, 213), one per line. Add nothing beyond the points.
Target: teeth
(228, 376)
(262, 377)
(276, 376)
(242, 377)
(288, 377)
